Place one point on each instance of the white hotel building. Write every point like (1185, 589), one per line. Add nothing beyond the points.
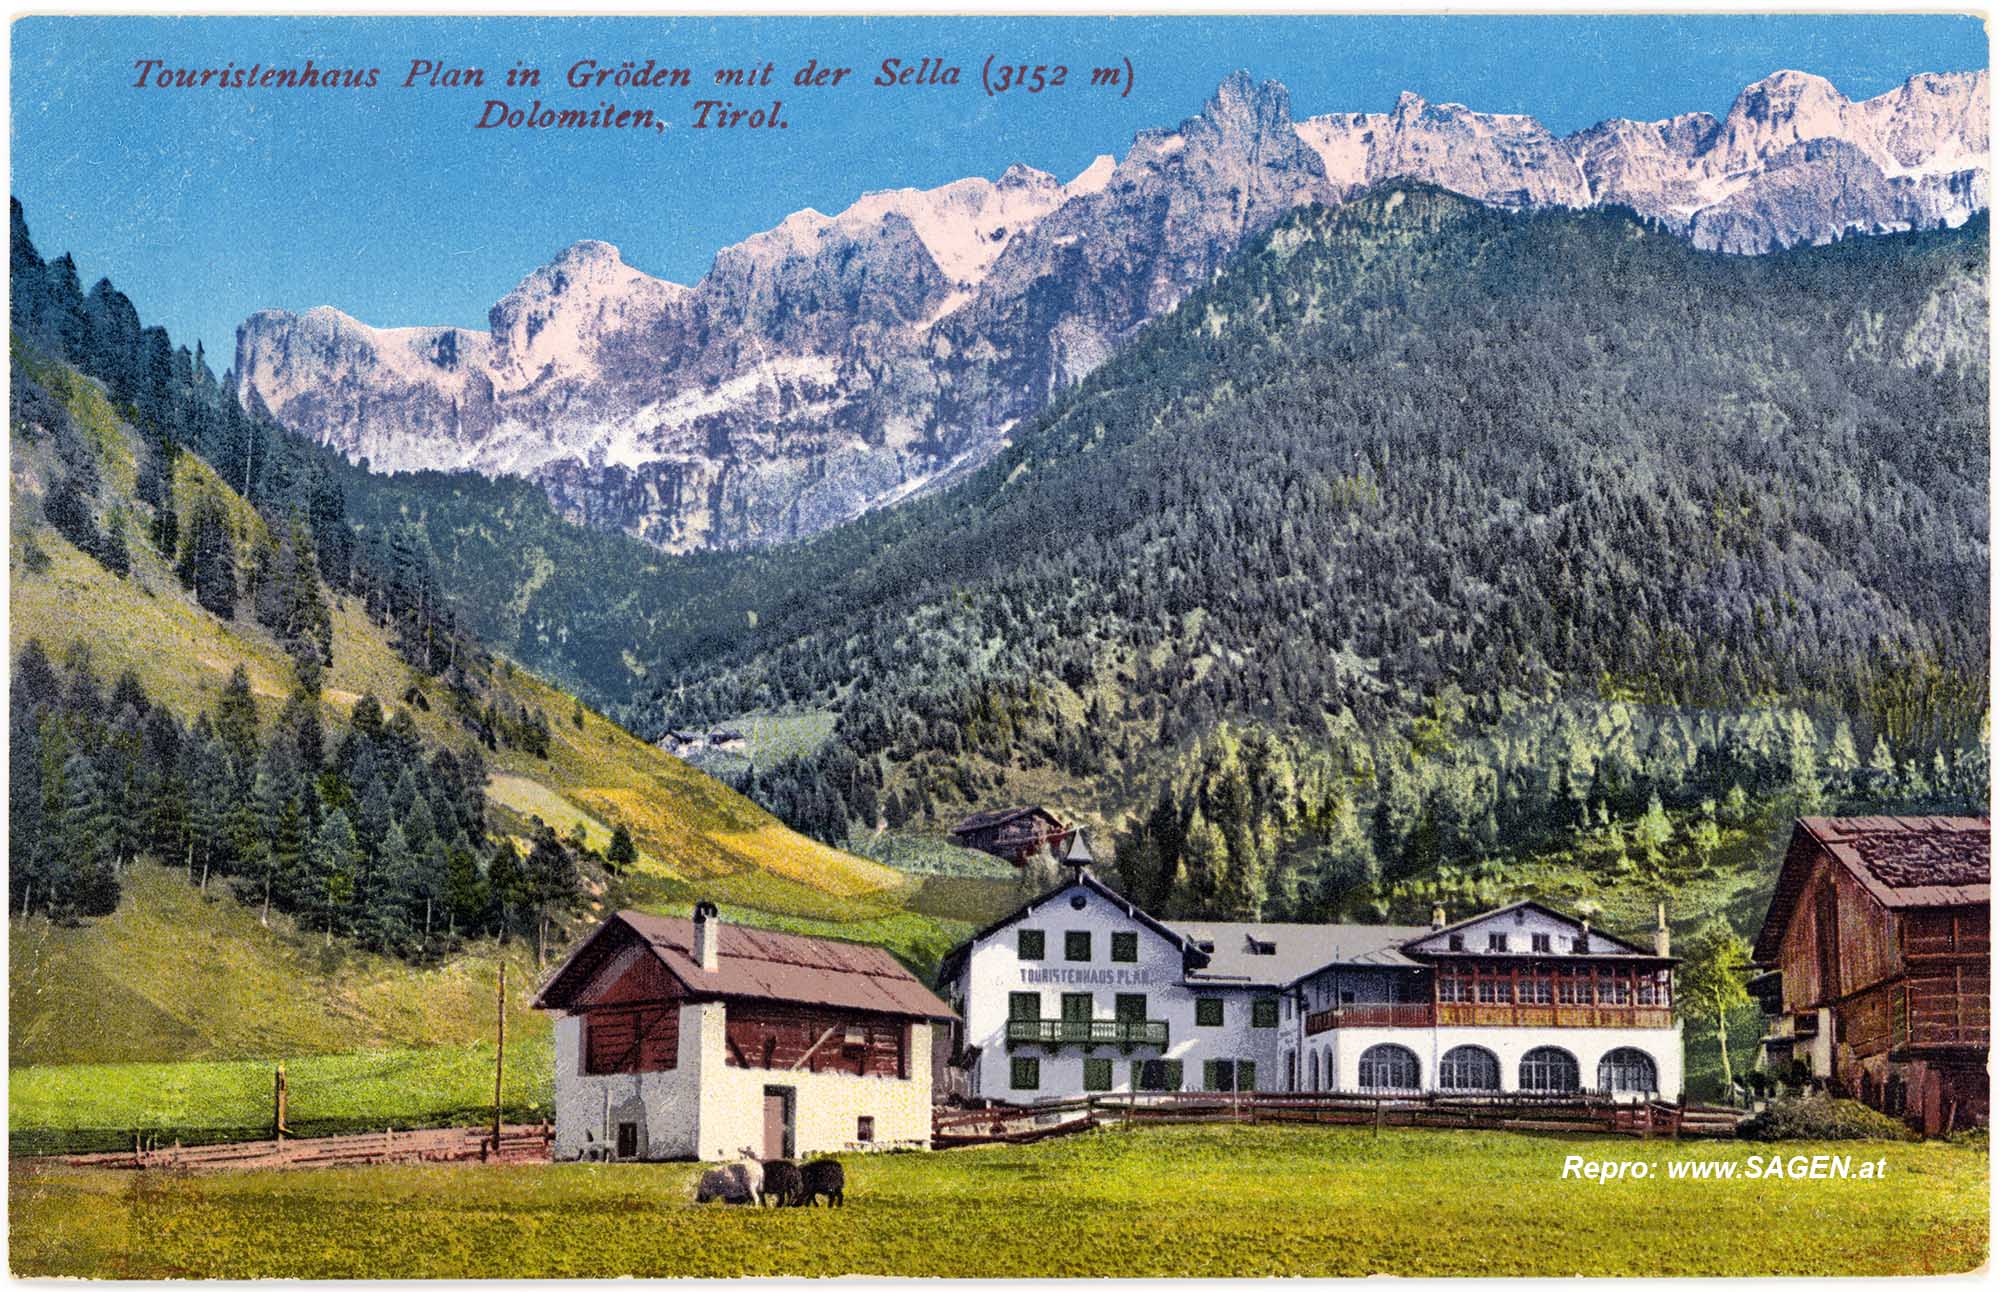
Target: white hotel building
(1080, 991)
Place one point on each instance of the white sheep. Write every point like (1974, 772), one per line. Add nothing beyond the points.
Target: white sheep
(736, 1182)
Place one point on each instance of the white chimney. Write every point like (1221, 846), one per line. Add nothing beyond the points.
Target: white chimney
(1660, 942)
(707, 936)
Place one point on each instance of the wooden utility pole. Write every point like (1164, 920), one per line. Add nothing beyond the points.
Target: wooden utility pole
(499, 1052)
(278, 1101)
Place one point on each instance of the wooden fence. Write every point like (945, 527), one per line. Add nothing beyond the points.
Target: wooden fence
(459, 1144)
(1025, 1123)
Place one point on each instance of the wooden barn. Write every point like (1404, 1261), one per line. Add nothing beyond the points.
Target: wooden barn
(690, 1038)
(1878, 932)
(1013, 834)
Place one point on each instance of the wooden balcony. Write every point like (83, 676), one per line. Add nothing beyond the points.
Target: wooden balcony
(1415, 1014)
(1472, 1014)
(1947, 1013)
(1054, 1032)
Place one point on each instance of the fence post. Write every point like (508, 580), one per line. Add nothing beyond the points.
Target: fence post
(278, 1099)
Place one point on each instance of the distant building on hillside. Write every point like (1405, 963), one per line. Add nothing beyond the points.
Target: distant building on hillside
(1012, 834)
(1879, 935)
(1080, 991)
(695, 1039)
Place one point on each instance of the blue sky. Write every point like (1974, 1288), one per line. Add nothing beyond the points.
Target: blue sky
(207, 204)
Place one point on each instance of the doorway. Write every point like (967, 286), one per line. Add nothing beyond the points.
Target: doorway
(780, 1112)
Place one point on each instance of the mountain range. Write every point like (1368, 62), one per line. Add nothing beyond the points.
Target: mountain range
(836, 364)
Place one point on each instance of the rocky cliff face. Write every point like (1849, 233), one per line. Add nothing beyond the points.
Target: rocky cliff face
(839, 363)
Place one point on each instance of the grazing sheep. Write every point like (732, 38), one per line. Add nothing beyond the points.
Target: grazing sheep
(783, 1182)
(822, 1177)
(735, 1183)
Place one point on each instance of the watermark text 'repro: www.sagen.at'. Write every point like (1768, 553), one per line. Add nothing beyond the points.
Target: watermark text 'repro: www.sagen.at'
(1797, 1166)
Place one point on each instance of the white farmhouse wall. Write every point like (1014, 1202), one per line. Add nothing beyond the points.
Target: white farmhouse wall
(705, 1108)
(664, 1104)
(827, 1106)
(994, 970)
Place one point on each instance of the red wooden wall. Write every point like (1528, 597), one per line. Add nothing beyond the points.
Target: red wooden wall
(769, 1034)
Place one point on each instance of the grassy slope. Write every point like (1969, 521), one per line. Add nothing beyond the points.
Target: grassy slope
(1186, 1201)
(173, 979)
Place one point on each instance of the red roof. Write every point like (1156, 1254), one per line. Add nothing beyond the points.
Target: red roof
(754, 964)
(1904, 862)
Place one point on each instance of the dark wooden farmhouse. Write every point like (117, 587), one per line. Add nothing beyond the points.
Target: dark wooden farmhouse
(1014, 834)
(1878, 932)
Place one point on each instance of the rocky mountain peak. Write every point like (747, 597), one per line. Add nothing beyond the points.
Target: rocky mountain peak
(834, 364)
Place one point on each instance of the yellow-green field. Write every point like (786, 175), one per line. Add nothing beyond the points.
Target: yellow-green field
(1162, 1202)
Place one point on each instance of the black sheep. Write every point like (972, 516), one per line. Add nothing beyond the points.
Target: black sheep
(822, 1177)
(782, 1182)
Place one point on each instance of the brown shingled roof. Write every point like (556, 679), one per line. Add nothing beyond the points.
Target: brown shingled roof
(756, 964)
(1903, 861)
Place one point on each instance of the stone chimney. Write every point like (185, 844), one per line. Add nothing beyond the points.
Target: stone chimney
(1660, 940)
(707, 936)
(1437, 917)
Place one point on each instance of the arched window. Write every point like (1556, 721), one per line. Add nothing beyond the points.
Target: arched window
(1314, 1066)
(1388, 1067)
(1627, 1069)
(1468, 1067)
(1549, 1070)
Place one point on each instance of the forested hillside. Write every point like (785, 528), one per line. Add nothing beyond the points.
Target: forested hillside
(1483, 514)
(214, 668)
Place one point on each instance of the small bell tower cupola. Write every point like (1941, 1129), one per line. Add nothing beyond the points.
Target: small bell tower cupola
(1077, 857)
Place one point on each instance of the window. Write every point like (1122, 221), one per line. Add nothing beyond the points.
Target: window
(864, 1130)
(628, 1139)
(1468, 1067)
(1537, 991)
(1218, 1074)
(1264, 1011)
(1312, 1069)
(1076, 1007)
(1580, 944)
(1024, 1006)
(1129, 1008)
(1496, 942)
(1539, 942)
(1626, 1069)
(1156, 1074)
(1496, 991)
(1025, 1074)
(1076, 945)
(1388, 1067)
(1549, 1070)
(1455, 941)
(1454, 989)
(1246, 1075)
(1125, 948)
(1097, 1074)
(1572, 988)
(1615, 989)
(1033, 944)
(631, 1040)
(1208, 1011)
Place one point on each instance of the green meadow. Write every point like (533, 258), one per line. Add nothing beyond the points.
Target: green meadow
(1155, 1202)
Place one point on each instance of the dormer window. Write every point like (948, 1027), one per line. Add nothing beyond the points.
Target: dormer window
(1496, 942)
(1262, 948)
